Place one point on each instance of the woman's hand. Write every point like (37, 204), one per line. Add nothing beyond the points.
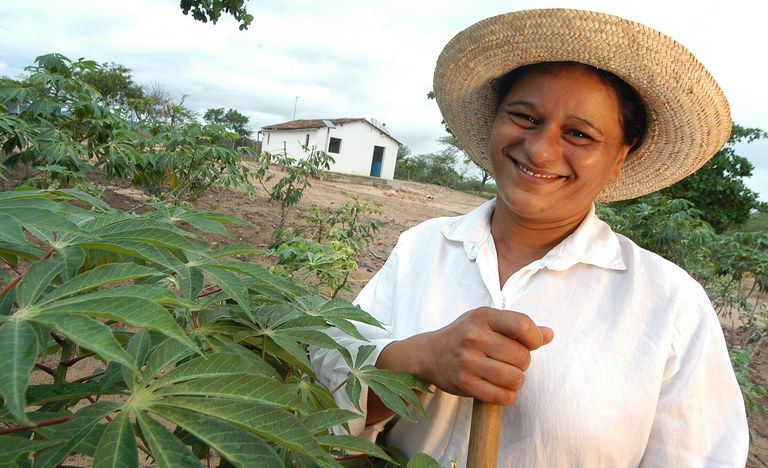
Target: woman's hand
(483, 354)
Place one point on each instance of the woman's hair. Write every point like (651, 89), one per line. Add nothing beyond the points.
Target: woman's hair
(633, 115)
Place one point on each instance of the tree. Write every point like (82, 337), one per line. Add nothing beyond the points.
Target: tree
(233, 121)
(115, 84)
(718, 189)
(210, 10)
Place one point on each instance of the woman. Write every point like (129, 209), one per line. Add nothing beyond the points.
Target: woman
(604, 354)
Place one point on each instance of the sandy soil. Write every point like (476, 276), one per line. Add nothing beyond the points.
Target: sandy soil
(402, 208)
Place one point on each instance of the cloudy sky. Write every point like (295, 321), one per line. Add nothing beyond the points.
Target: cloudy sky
(355, 58)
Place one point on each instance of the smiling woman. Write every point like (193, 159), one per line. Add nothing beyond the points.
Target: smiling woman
(631, 368)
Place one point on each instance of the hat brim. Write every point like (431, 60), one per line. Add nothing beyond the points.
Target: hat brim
(688, 115)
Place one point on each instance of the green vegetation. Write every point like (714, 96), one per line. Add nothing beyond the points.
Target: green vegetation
(732, 266)
(202, 356)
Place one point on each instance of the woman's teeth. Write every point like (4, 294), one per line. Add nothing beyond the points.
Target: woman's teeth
(534, 174)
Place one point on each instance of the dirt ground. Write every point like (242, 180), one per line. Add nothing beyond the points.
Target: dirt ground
(402, 208)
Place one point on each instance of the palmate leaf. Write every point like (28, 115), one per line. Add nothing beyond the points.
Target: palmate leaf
(237, 387)
(117, 447)
(88, 333)
(215, 365)
(313, 395)
(37, 279)
(132, 248)
(18, 348)
(262, 282)
(132, 310)
(231, 284)
(421, 460)
(165, 354)
(10, 230)
(73, 432)
(167, 449)
(100, 276)
(338, 312)
(395, 389)
(38, 395)
(41, 219)
(234, 249)
(238, 446)
(13, 446)
(322, 421)
(354, 444)
(268, 422)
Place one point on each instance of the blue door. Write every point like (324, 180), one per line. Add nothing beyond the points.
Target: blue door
(378, 157)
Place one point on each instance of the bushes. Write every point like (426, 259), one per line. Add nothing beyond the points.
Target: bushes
(200, 352)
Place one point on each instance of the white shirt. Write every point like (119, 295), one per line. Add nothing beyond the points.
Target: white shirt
(638, 373)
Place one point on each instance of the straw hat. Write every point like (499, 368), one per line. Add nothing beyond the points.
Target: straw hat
(688, 115)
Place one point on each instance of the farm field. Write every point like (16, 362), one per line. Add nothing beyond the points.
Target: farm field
(401, 209)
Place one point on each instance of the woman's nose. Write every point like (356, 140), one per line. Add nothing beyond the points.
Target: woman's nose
(543, 145)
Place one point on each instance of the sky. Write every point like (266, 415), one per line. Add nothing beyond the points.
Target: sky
(355, 58)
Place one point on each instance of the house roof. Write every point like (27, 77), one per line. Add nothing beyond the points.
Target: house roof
(307, 124)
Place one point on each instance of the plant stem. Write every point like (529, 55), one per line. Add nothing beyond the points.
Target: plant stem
(50, 422)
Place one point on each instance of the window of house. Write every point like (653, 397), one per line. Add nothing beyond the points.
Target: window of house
(334, 145)
(306, 142)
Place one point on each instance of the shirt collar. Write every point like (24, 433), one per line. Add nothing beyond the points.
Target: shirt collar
(593, 242)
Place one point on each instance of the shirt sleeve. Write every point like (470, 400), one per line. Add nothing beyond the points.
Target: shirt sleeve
(331, 368)
(700, 418)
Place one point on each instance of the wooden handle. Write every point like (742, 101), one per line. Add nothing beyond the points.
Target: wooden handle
(484, 435)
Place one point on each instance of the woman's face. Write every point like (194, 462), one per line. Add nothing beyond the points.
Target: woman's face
(555, 142)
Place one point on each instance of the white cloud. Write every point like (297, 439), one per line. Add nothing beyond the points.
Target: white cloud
(352, 58)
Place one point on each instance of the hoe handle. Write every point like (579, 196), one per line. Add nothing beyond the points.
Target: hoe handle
(484, 435)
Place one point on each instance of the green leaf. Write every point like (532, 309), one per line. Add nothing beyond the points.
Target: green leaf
(88, 333)
(234, 249)
(81, 196)
(39, 395)
(167, 449)
(10, 230)
(132, 310)
(37, 279)
(394, 389)
(262, 281)
(190, 281)
(154, 236)
(100, 276)
(231, 284)
(354, 444)
(266, 421)
(138, 347)
(13, 446)
(166, 353)
(421, 460)
(41, 219)
(236, 445)
(323, 420)
(215, 365)
(238, 387)
(72, 432)
(117, 447)
(18, 348)
(132, 248)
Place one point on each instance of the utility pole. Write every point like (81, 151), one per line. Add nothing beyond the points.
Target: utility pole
(295, 101)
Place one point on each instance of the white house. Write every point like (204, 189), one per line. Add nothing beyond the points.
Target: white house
(359, 147)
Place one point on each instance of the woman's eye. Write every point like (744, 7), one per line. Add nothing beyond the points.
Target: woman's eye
(579, 134)
(523, 119)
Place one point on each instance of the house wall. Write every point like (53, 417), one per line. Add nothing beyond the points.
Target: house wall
(358, 140)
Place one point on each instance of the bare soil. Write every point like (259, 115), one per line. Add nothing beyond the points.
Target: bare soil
(402, 208)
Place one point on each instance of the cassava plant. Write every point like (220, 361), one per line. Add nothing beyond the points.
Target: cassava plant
(731, 266)
(330, 243)
(200, 358)
(297, 171)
